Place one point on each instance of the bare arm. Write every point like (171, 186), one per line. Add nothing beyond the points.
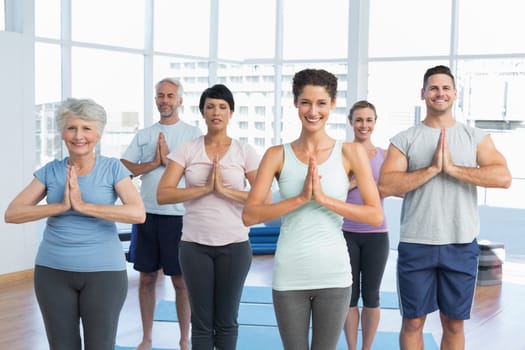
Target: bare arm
(356, 162)
(140, 168)
(396, 180)
(239, 196)
(131, 211)
(169, 193)
(145, 167)
(491, 172)
(25, 206)
(258, 207)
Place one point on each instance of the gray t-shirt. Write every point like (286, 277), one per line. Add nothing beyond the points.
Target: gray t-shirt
(443, 210)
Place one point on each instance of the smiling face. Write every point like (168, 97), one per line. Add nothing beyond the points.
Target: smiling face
(363, 122)
(313, 106)
(168, 100)
(439, 94)
(80, 136)
(216, 113)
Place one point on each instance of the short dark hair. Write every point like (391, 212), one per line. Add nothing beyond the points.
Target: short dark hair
(438, 70)
(361, 105)
(218, 91)
(316, 77)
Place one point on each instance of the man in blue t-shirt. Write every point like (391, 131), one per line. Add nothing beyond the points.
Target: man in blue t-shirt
(157, 240)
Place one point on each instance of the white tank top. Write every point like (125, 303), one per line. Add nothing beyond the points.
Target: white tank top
(311, 250)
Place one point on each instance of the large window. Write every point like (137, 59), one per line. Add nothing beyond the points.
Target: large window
(422, 30)
(48, 95)
(312, 31)
(246, 29)
(115, 22)
(487, 28)
(181, 26)
(114, 52)
(105, 76)
(2, 15)
(47, 18)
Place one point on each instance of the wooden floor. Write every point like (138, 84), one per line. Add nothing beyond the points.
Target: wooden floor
(497, 315)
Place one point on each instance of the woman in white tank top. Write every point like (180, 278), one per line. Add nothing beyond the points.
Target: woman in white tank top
(312, 276)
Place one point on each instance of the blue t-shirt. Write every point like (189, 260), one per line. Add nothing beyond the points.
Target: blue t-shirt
(73, 241)
(142, 149)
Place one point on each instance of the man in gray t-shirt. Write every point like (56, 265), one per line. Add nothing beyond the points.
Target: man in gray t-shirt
(436, 166)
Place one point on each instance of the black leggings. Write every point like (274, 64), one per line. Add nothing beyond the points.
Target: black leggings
(214, 277)
(67, 297)
(368, 257)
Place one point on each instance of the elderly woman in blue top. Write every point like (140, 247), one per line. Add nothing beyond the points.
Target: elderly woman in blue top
(80, 270)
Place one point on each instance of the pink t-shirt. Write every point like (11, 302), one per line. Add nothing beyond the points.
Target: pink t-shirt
(212, 219)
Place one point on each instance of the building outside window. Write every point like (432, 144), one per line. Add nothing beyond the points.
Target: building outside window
(118, 65)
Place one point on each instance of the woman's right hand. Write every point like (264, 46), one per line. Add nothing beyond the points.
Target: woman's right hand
(308, 188)
(210, 185)
(67, 200)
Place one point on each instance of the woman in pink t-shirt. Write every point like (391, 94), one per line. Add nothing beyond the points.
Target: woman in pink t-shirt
(215, 253)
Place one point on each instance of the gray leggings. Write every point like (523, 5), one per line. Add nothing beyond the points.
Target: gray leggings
(214, 277)
(327, 309)
(67, 297)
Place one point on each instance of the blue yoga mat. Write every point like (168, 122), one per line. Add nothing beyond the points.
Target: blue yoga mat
(256, 307)
(249, 314)
(263, 295)
(387, 300)
(118, 347)
(256, 295)
(265, 338)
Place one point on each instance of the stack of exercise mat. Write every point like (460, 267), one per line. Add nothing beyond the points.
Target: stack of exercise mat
(490, 263)
(263, 239)
(258, 326)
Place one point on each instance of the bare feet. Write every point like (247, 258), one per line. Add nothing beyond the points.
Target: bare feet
(145, 345)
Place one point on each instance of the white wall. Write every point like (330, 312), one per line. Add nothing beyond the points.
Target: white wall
(18, 243)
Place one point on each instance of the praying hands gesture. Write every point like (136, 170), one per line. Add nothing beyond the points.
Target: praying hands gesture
(161, 152)
(27, 204)
(442, 161)
(168, 192)
(215, 182)
(312, 189)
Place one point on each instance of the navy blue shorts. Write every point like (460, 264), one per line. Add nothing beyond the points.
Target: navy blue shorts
(432, 277)
(157, 244)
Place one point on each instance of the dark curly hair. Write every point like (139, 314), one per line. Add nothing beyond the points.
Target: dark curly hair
(316, 77)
